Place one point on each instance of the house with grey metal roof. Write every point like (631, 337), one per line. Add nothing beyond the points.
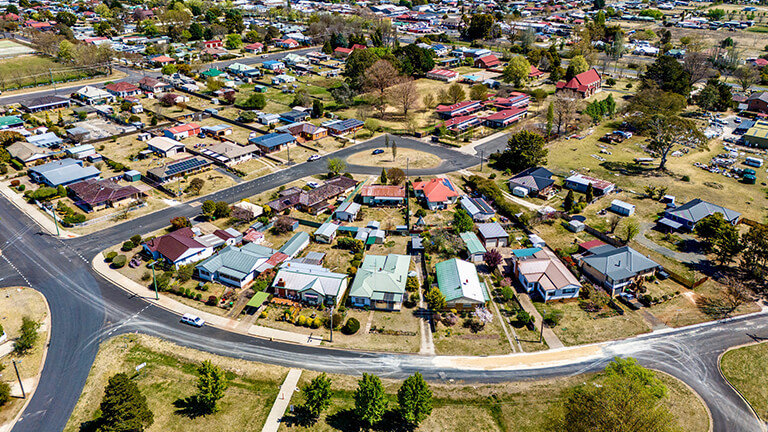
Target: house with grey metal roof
(493, 235)
(295, 244)
(534, 181)
(309, 283)
(380, 282)
(459, 283)
(233, 265)
(326, 233)
(475, 248)
(616, 268)
(62, 172)
(689, 214)
(477, 208)
(347, 211)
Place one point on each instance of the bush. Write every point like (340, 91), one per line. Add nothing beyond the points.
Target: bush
(146, 276)
(5, 393)
(198, 296)
(351, 327)
(686, 178)
(74, 219)
(263, 314)
(492, 176)
(212, 301)
(553, 318)
(21, 188)
(316, 323)
(128, 246)
(136, 239)
(29, 336)
(110, 256)
(119, 261)
(337, 320)
(15, 183)
(301, 320)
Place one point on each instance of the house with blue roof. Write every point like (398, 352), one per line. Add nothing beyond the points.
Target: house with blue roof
(273, 142)
(294, 116)
(62, 172)
(343, 127)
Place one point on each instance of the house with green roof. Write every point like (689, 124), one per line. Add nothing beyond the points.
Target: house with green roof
(7, 122)
(233, 266)
(380, 282)
(295, 244)
(475, 248)
(458, 282)
(212, 73)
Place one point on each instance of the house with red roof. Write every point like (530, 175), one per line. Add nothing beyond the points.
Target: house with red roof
(182, 131)
(162, 60)
(178, 248)
(461, 123)
(358, 46)
(287, 43)
(11, 17)
(92, 194)
(759, 63)
(586, 83)
(214, 44)
(254, 48)
(122, 89)
(535, 73)
(437, 193)
(96, 40)
(515, 100)
(505, 118)
(444, 75)
(342, 52)
(459, 109)
(487, 62)
(153, 85)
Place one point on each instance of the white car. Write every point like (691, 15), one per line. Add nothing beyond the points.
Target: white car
(313, 185)
(192, 320)
(313, 158)
(263, 56)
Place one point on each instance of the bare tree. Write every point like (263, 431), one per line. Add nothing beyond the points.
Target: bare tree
(566, 106)
(405, 96)
(735, 294)
(746, 76)
(697, 66)
(378, 78)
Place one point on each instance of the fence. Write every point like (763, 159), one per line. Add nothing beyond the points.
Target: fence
(599, 234)
(105, 217)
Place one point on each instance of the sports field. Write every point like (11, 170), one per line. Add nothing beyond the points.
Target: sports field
(12, 49)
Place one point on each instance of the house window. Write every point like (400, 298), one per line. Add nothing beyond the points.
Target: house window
(569, 290)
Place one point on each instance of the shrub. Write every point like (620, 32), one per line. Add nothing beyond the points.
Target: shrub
(128, 246)
(205, 288)
(198, 296)
(492, 176)
(212, 301)
(15, 183)
(21, 188)
(119, 261)
(110, 256)
(686, 178)
(316, 323)
(1, 330)
(263, 314)
(351, 327)
(337, 320)
(29, 336)
(136, 239)
(301, 320)
(146, 276)
(74, 219)
(553, 318)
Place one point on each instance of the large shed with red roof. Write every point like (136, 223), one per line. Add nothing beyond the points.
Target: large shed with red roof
(586, 83)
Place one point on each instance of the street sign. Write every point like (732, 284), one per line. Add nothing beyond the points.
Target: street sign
(141, 366)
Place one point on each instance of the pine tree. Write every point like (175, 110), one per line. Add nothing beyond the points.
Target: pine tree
(394, 150)
(123, 407)
(210, 386)
(383, 178)
(317, 395)
(550, 118)
(415, 399)
(568, 203)
(370, 402)
(590, 193)
(386, 141)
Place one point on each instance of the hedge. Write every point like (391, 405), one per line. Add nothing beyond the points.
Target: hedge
(110, 256)
(119, 261)
(351, 327)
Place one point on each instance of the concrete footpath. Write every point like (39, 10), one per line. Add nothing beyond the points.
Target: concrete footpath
(283, 400)
(175, 306)
(33, 212)
(549, 336)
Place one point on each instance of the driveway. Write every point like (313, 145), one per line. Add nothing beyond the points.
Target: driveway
(685, 257)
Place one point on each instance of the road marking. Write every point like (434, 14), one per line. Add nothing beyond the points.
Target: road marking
(17, 271)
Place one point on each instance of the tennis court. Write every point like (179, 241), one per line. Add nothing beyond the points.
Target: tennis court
(12, 49)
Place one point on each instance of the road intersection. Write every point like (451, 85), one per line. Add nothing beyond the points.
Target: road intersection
(86, 310)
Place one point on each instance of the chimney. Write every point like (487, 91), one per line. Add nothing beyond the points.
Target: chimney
(281, 283)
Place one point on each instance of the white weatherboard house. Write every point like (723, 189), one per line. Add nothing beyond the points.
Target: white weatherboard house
(539, 269)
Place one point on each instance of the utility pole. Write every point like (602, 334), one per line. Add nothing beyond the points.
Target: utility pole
(23, 394)
(541, 333)
(56, 223)
(50, 73)
(481, 161)
(407, 201)
(331, 323)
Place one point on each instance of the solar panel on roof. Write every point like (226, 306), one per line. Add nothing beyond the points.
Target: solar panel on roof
(448, 184)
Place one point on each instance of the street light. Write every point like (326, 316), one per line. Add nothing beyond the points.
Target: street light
(154, 280)
(23, 394)
(541, 332)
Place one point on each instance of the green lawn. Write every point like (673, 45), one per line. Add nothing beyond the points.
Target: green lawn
(31, 69)
(747, 369)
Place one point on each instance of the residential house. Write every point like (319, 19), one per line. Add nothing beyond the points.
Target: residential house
(437, 193)
(47, 140)
(179, 168)
(234, 266)
(347, 211)
(540, 270)
(295, 59)
(239, 69)
(93, 96)
(343, 127)
(443, 75)
(45, 103)
(309, 283)
(615, 268)
(294, 116)
(11, 122)
(287, 44)
(487, 62)
(326, 232)
(230, 154)
(689, 214)
(218, 130)
(81, 151)
(94, 194)
(477, 208)
(535, 73)
(585, 84)
(459, 283)
(177, 248)
(505, 118)
(62, 172)
(313, 201)
(162, 60)
(283, 79)
(514, 100)
(122, 89)
(254, 48)
(580, 183)
(27, 153)
(382, 195)
(758, 102)
(273, 65)
(230, 236)
(459, 109)
(165, 147)
(461, 123)
(341, 52)
(533, 182)
(273, 142)
(295, 245)
(213, 44)
(493, 235)
(475, 249)
(154, 85)
(305, 131)
(380, 282)
(182, 131)
(268, 118)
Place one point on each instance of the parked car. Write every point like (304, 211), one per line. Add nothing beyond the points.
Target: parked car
(630, 300)
(192, 320)
(313, 185)
(313, 158)
(378, 151)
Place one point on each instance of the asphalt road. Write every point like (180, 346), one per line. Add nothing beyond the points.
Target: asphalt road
(87, 310)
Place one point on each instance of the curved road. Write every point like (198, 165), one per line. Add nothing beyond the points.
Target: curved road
(86, 310)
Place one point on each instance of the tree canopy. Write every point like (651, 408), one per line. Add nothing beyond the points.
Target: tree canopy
(524, 150)
(668, 74)
(123, 407)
